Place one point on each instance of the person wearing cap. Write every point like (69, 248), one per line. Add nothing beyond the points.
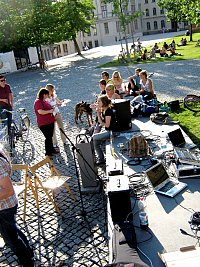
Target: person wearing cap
(11, 234)
(6, 100)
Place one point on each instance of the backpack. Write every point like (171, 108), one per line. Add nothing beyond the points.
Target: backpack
(137, 146)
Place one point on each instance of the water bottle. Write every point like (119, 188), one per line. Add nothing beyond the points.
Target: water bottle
(142, 206)
(111, 144)
(163, 140)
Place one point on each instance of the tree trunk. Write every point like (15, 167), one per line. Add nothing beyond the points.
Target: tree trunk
(127, 49)
(77, 46)
(190, 32)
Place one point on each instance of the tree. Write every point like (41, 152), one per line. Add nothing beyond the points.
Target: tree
(72, 17)
(182, 10)
(120, 9)
(26, 23)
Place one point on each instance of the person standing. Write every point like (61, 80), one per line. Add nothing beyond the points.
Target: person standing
(11, 234)
(6, 100)
(45, 119)
(54, 101)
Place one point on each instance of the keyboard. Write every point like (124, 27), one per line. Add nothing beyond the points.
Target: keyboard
(185, 156)
(168, 186)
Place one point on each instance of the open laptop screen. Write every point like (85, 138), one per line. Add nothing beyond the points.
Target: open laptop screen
(157, 174)
(176, 137)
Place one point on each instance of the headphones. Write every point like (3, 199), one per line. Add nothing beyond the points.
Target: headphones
(195, 219)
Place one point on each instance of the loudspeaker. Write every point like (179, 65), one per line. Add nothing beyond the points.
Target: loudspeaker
(88, 172)
(120, 206)
(123, 113)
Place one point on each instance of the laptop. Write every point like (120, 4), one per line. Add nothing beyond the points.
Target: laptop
(161, 181)
(178, 140)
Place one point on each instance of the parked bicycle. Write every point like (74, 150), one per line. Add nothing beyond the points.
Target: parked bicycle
(19, 132)
(192, 102)
(122, 57)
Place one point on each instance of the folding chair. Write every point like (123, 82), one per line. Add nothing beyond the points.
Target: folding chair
(49, 180)
(21, 187)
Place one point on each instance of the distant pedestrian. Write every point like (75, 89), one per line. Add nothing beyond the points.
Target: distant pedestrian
(6, 100)
(11, 234)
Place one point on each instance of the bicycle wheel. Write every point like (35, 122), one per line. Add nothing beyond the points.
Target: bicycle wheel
(192, 102)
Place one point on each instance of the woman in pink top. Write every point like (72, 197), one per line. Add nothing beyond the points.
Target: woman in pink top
(45, 119)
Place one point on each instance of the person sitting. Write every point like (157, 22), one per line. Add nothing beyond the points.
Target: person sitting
(146, 92)
(163, 52)
(132, 87)
(156, 48)
(144, 56)
(182, 42)
(153, 52)
(173, 44)
(105, 76)
(102, 85)
(172, 52)
(166, 46)
(110, 92)
(117, 82)
(106, 118)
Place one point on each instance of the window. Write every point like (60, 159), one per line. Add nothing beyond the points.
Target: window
(65, 48)
(153, 1)
(95, 30)
(96, 43)
(162, 12)
(132, 8)
(90, 44)
(155, 25)
(146, 1)
(58, 49)
(89, 33)
(104, 11)
(148, 26)
(106, 28)
(162, 24)
(147, 12)
(154, 11)
(117, 26)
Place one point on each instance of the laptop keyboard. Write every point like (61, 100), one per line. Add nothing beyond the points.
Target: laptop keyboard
(168, 186)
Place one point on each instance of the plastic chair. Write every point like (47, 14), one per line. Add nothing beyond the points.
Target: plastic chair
(50, 180)
(23, 186)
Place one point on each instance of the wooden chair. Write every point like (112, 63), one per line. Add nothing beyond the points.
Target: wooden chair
(50, 180)
(21, 187)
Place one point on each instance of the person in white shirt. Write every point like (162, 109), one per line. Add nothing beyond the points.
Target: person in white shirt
(54, 101)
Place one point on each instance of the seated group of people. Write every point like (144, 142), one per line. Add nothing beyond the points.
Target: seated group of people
(139, 85)
(163, 51)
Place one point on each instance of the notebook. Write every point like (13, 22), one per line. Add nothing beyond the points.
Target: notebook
(178, 140)
(161, 181)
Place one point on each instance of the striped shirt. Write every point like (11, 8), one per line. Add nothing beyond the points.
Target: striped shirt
(5, 171)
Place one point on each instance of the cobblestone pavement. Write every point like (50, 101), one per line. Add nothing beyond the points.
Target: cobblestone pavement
(70, 239)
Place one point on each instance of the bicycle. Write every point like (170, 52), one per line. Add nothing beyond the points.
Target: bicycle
(19, 132)
(122, 57)
(192, 102)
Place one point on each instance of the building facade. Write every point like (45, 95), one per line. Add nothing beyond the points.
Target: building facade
(107, 29)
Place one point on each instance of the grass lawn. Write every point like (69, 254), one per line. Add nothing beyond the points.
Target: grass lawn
(189, 122)
(187, 52)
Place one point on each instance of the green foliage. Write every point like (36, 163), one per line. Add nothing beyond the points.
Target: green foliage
(182, 10)
(26, 23)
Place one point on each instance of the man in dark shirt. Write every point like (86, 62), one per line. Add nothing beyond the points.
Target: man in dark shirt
(6, 100)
